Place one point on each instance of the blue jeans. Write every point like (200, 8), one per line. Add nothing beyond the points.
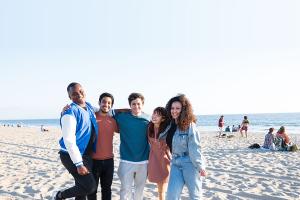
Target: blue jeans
(183, 173)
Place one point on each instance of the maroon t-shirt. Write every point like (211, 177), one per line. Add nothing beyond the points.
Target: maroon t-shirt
(221, 122)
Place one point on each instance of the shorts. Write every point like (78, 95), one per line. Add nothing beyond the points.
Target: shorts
(244, 128)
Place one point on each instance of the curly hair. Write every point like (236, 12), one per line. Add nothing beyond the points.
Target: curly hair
(186, 115)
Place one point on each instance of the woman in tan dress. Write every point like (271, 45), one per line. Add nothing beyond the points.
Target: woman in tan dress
(159, 157)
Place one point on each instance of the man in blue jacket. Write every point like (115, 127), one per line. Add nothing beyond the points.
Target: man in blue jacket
(79, 130)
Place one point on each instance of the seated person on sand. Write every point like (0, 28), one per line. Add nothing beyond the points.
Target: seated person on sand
(234, 128)
(269, 142)
(43, 129)
(227, 129)
(284, 138)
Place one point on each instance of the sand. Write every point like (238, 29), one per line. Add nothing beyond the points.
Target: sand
(31, 169)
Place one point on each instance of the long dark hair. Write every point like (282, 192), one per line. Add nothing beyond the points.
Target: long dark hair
(186, 115)
(185, 118)
(163, 125)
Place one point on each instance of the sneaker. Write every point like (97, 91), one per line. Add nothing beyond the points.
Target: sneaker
(55, 196)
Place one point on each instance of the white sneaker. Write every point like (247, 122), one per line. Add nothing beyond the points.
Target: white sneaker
(53, 196)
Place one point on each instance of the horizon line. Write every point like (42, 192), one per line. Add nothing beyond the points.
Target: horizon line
(195, 114)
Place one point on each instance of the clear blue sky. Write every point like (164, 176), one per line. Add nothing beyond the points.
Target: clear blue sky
(226, 56)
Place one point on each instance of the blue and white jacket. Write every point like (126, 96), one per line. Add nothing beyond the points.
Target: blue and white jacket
(77, 125)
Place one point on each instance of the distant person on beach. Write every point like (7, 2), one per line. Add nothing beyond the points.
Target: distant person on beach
(285, 139)
(103, 158)
(244, 126)
(183, 139)
(282, 134)
(134, 148)
(227, 129)
(159, 157)
(43, 129)
(269, 142)
(234, 128)
(221, 125)
(79, 136)
(285, 143)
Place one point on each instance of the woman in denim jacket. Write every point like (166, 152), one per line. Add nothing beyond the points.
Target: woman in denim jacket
(183, 139)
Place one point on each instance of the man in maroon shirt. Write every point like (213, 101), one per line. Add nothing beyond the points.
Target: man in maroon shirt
(103, 158)
(221, 125)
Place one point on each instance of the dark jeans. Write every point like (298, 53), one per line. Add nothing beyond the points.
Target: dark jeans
(84, 185)
(103, 170)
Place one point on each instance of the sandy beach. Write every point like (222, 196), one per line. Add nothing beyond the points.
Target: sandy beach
(31, 169)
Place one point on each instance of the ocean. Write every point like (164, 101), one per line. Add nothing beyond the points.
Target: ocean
(258, 122)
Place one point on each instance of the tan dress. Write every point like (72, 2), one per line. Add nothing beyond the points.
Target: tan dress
(159, 161)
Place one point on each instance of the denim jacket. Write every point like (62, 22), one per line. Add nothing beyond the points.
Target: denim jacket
(187, 143)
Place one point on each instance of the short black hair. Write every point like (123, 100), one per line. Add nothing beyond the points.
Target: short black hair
(71, 85)
(106, 94)
(134, 96)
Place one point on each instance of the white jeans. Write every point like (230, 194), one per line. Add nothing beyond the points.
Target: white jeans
(130, 173)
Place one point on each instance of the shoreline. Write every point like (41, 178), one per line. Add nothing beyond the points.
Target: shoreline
(205, 129)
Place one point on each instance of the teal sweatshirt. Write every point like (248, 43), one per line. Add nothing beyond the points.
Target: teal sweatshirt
(134, 145)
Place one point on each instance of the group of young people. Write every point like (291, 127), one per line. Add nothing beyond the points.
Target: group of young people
(243, 128)
(165, 149)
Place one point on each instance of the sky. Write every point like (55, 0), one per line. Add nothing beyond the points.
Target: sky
(228, 57)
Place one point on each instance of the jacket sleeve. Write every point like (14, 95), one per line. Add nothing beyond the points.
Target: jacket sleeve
(95, 109)
(69, 137)
(194, 148)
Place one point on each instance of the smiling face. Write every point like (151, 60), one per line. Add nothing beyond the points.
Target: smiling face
(105, 104)
(176, 108)
(77, 95)
(136, 106)
(156, 119)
